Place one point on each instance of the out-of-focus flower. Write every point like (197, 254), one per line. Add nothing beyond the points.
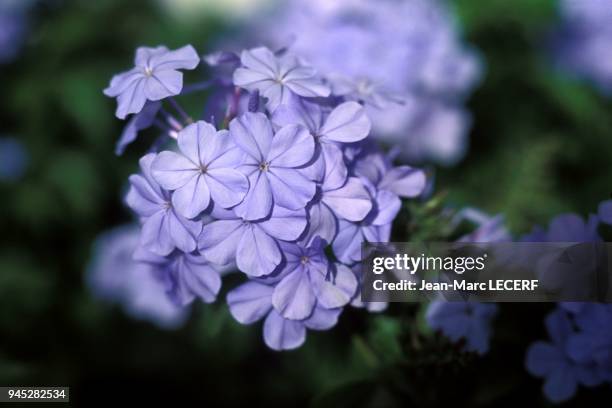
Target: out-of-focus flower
(14, 26)
(155, 76)
(203, 172)
(139, 287)
(574, 355)
(13, 159)
(582, 42)
(403, 59)
(277, 77)
(470, 321)
(252, 301)
(490, 228)
(163, 227)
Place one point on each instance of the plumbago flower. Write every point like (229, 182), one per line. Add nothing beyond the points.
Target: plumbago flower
(203, 172)
(284, 188)
(155, 76)
(277, 78)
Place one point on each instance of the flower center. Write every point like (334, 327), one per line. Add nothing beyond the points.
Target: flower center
(203, 168)
(264, 166)
(304, 260)
(148, 71)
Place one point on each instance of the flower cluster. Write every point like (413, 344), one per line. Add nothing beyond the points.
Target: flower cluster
(13, 27)
(582, 42)
(286, 186)
(402, 59)
(579, 351)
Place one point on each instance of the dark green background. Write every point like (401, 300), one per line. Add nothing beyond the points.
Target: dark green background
(541, 144)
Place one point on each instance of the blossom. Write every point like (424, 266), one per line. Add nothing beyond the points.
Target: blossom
(155, 76)
(554, 362)
(308, 278)
(115, 276)
(346, 123)
(490, 228)
(203, 171)
(254, 245)
(271, 162)
(163, 227)
(185, 276)
(277, 77)
(385, 184)
(13, 29)
(252, 302)
(463, 320)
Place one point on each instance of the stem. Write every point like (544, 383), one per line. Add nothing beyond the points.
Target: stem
(174, 123)
(177, 107)
(198, 86)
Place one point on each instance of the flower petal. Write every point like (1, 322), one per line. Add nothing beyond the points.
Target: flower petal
(285, 224)
(228, 187)
(292, 146)
(252, 132)
(162, 84)
(258, 202)
(172, 170)
(347, 123)
(219, 240)
(250, 302)
(283, 334)
(405, 181)
(333, 287)
(258, 253)
(290, 188)
(192, 198)
(293, 297)
(351, 202)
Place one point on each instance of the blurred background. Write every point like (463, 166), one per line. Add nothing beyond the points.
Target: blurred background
(540, 145)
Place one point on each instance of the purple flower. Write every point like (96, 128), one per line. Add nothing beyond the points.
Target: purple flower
(605, 211)
(350, 202)
(252, 301)
(385, 184)
(203, 171)
(163, 227)
(271, 165)
(155, 76)
(310, 279)
(463, 320)
(347, 123)
(185, 276)
(554, 362)
(142, 120)
(253, 244)
(139, 287)
(277, 77)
